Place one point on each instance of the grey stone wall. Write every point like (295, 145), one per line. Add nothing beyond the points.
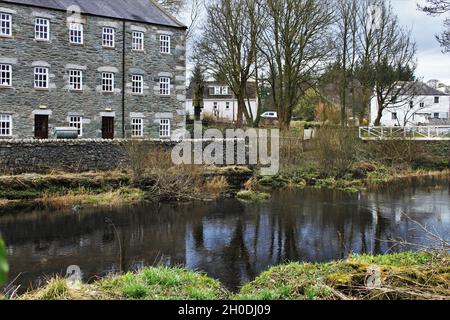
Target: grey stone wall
(24, 53)
(42, 156)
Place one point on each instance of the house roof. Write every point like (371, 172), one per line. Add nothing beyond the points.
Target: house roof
(420, 89)
(145, 11)
(251, 91)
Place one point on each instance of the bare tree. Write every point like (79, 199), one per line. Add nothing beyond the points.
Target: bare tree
(228, 47)
(172, 6)
(394, 61)
(438, 7)
(295, 46)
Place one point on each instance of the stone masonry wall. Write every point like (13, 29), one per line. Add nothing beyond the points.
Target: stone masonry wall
(24, 53)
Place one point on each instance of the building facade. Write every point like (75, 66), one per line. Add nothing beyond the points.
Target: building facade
(421, 105)
(109, 68)
(219, 102)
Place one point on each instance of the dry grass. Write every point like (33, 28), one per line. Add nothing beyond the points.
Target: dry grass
(86, 197)
(216, 186)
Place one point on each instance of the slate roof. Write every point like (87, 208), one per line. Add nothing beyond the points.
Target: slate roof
(420, 89)
(145, 11)
(251, 91)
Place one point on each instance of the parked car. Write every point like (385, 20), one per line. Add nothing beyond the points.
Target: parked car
(270, 115)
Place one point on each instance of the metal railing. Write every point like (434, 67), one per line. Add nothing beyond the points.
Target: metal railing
(421, 133)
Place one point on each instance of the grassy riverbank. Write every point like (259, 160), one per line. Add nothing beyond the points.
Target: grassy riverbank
(398, 276)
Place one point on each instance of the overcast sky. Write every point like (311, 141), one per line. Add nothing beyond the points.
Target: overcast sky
(433, 64)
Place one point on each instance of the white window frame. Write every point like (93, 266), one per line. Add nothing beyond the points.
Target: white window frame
(164, 44)
(217, 91)
(42, 29)
(137, 127)
(76, 122)
(164, 128)
(164, 86)
(137, 84)
(41, 77)
(108, 37)
(108, 84)
(438, 99)
(6, 125)
(75, 80)
(76, 33)
(6, 75)
(225, 91)
(137, 42)
(5, 24)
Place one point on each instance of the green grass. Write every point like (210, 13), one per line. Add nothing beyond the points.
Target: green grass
(253, 196)
(403, 276)
(163, 284)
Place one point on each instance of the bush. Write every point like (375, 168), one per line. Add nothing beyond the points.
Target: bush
(336, 150)
(3, 263)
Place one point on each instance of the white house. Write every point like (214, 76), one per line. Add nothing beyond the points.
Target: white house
(221, 103)
(418, 105)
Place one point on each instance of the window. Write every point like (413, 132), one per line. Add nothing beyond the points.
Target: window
(137, 127)
(422, 105)
(436, 115)
(76, 33)
(164, 86)
(107, 82)
(5, 125)
(394, 115)
(41, 78)
(138, 41)
(225, 90)
(164, 41)
(5, 75)
(137, 84)
(217, 90)
(76, 80)
(108, 37)
(436, 99)
(215, 105)
(42, 29)
(228, 105)
(164, 128)
(5, 24)
(76, 122)
(411, 104)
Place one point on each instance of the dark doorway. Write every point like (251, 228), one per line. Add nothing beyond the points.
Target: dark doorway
(41, 126)
(108, 127)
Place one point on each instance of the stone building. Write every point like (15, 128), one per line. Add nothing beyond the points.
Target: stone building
(110, 68)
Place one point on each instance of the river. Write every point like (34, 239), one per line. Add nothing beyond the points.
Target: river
(229, 240)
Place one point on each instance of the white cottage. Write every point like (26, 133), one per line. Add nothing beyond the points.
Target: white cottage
(221, 103)
(419, 105)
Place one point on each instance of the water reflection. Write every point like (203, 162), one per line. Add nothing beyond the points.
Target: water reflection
(229, 240)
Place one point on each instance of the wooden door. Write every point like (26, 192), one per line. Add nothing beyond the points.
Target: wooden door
(108, 127)
(41, 126)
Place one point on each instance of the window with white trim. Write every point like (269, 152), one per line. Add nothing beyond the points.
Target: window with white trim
(41, 77)
(76, 122)
(137, 41)
(5, 75)
(108, 82)
(164, 86)
(108, 36)
(164, 128)
(5, 24)
(164, 41)
(42, 29)
(5, 125)
(76, 33)
(137, 84)
(225, 91)
(137, 127)
(436, 99)
(76, 80)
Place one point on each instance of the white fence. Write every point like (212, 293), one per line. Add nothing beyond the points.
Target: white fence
(421, 133)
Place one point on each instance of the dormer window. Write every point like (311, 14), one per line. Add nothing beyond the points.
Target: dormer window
(220, 91)
(216, 91)
(76, 33)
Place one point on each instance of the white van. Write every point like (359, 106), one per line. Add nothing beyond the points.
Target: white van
(270, 115)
